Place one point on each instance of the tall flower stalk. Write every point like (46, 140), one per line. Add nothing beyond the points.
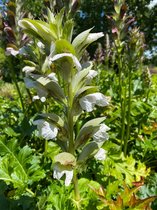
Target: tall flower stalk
(128, 50)
(68, 82)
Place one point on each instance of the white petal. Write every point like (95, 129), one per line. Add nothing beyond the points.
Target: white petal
(89, 101)
(35, 98)
(58, 172)
(101, 100)
(11, 51)
(28, 69)
(75, 60)
(53, 77)
(100, 136)
(101, 154)
(69, 176)
(46, 130)
(86, 105)
(43, 99)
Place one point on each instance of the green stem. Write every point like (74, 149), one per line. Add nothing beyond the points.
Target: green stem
(123, 113)
(122, 99)
(71, 140)
(30, 192)
(76, 190)
(128, 117)
(70, 119)
(17, 86)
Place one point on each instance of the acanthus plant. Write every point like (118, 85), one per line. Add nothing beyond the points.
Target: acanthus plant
(63, 78)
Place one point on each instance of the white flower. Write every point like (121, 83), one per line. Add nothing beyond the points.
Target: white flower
(59, 171)
(101, 154)
(152, 4)
(11, 51)
(15, 52)
(42, 99)
(88, 102)
(46, 130)
(53, 77)
(28, 69)
(101, 135)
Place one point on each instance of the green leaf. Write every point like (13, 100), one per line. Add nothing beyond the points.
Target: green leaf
(82, 41)
(59, 18)
(68, 30)
(79, 40)
(19, 166)
(63, 46)
(39, 29)
(87, 131)
(127, 169)
(79, 80)
(51, 17)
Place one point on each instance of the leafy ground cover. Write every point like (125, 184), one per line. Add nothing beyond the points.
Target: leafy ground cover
(78, 133)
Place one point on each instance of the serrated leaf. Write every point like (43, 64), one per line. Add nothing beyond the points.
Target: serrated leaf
(87, 131)
(19, 167)
(130, 169)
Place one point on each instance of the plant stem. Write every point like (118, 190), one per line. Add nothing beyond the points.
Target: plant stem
(70, 119)
(123, 112)
(71, 140)
(76, 190)
(122, 95)
(128, 116)
(16, 85)
(30, 192)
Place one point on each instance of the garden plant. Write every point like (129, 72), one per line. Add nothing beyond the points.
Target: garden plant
(77, 133)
